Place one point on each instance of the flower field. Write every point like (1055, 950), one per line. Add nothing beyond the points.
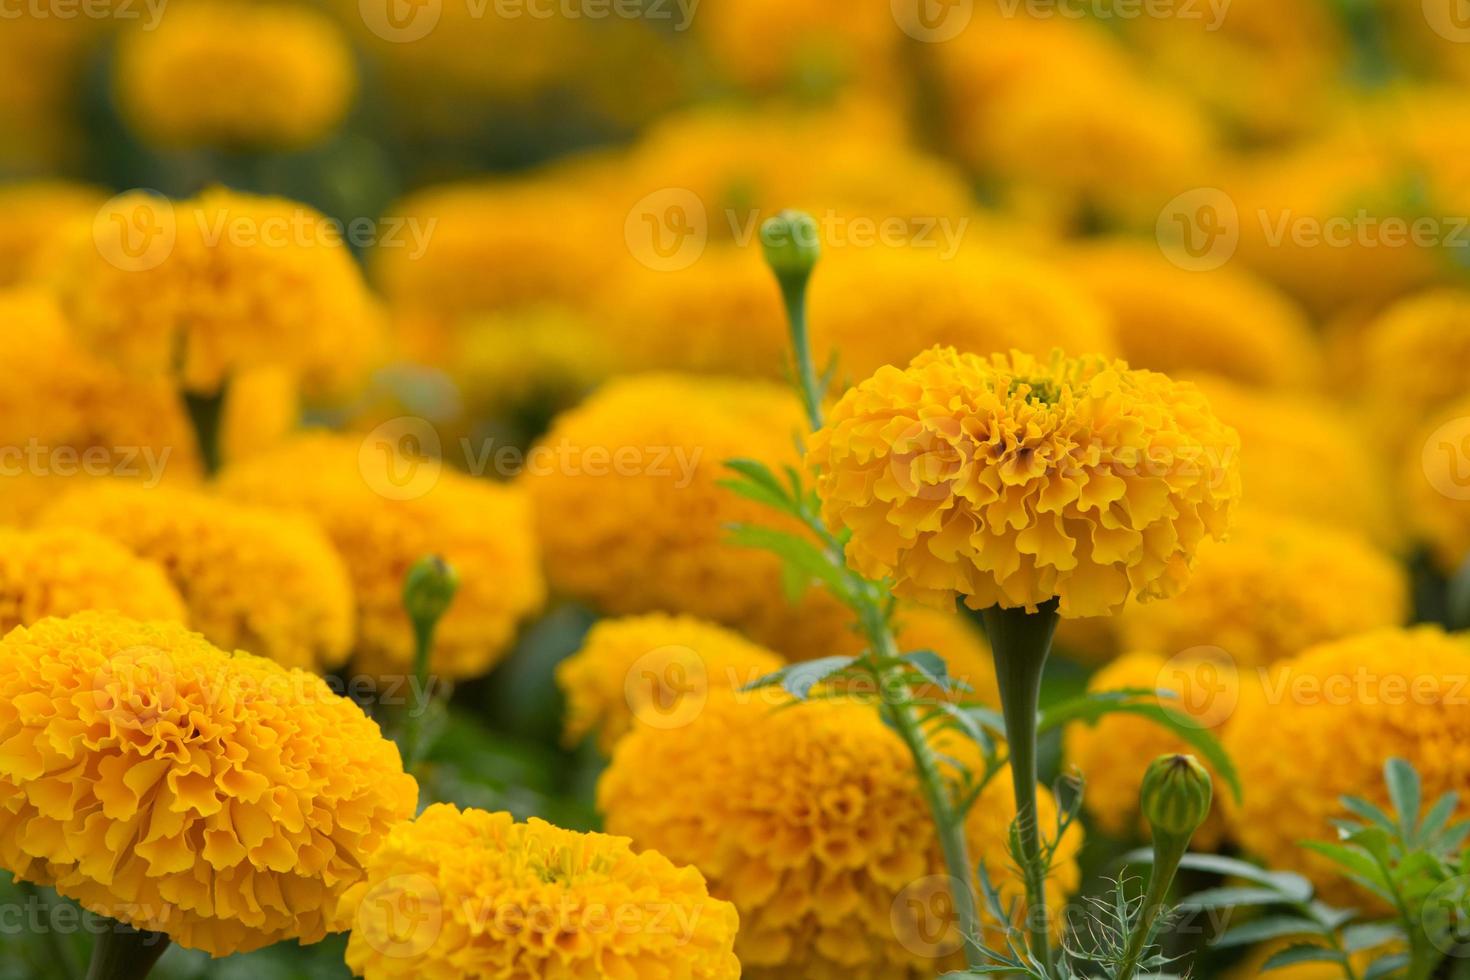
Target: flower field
(698, 489)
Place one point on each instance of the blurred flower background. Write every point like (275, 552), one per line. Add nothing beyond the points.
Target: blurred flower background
(296, 293)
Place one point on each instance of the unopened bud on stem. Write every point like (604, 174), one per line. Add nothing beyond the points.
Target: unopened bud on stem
(1176, 795)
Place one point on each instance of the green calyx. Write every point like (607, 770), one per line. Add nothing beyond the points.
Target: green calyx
(429, 588)
(1176, 795)
(791, 243)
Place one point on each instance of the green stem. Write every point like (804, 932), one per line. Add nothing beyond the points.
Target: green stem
(793, 292)
(1168, 851)
(124, 953)
(1020, 642)
(61, 951)
(206, 412)
(413, 736)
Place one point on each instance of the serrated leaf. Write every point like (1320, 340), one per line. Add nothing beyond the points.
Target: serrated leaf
(931, 665)
(1301, 953)
(798, 553)
(1273, 927)
(1352, 859)
(1403, 790)
(798, 679)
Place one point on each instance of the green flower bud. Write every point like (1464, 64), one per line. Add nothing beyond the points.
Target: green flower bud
(428, 590)
(1176, 795)
(791, 243)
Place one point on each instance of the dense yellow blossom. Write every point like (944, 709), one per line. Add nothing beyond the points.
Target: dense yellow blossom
(826, 841)
(154, 779)
(1435, 475)
(877, 306)
(628, 504)
(1113, 754)
(1012, 480)
(1278, 586)
(1315, 466)
(486, 896)
(253, 578)
(384, 511)
(1419, 353)
(1323, 726)
(33, 211)
(232, 74)
(1176, 320)
(60, 571)
(774, 43)
(657, 668)
(194, 289)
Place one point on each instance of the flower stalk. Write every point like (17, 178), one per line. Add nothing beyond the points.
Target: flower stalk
(206, 414)
(428, 592)
(792, 248)
(124, 953)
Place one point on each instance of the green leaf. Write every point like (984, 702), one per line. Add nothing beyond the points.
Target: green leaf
(1230, 897)
(1353, 860)
(1301, 953)
(1370, 813)
(1438, 817)
(800, 554)
(1367, 935)
(799, 679)
(1386, 966)
(1273, 927)
(1403, 789)
(1293, 887)
(931, 665)
(758, 483)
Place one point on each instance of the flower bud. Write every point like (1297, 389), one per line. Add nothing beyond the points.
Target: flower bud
(428, 589)
(1176, 795)
(791, 243)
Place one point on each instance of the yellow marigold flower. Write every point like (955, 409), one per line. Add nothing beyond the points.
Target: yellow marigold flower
(385, 511)
(262, 409)
(60, 571)
(1278, 586)
(34, 210)
(1011, 480)
(253, 578)
(774, 44)
(978, 300)
(531, 900)
(535, 360)
(1424, 339)
(230, 74)
(1304, 456)
(193, 289)
(219, 798)
(1113, 755)
(628, 504)
(830, 849)
(658, 668)
(1436, 486)
(1176, 320)
(1323, 726)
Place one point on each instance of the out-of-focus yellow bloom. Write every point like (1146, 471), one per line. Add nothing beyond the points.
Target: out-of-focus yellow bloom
(1419, 354)
(43, 58)
(1088, 640)
(776, 44)
(61, 571)
(384, 511)
(219, 798)
(33, 211)
(658, 668)
(1435, 474)
(829, 850)
(1317, 466)
(877, 306)
(1113, 755)
(544, 360)
(236, 75)
(628, 504)
(253, 578)
(1176, 320)
(1322, 727)
(1250, 967)
(1278, 586)
(1013, 480)
(262, 409)
(199, 289)
(531, 900)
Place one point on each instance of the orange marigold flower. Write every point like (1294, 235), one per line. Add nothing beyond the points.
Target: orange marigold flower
(1012, 480)
(218, 798)
(33, 211)
(60, 571)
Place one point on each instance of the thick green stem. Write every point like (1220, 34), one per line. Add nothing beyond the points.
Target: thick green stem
(1020, 642)
(413, 736)
(124, 953)
(1168, 851)
(206, 412)
(793, 292)
(61, 951)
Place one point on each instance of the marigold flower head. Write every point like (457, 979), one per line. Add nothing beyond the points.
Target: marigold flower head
(1177, 320)
(384, 511)
(154, 779)
(628, 502)
(1322, 728)
(656, 667)
(534, 360)
(1419, 351)
(60, 571)
(1113, 754)
(231, 74)
(828, 850)
(192, 289)
(34, 210)
(492, 896)
(1014, 480)
(1435, 486)
(253, 578)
